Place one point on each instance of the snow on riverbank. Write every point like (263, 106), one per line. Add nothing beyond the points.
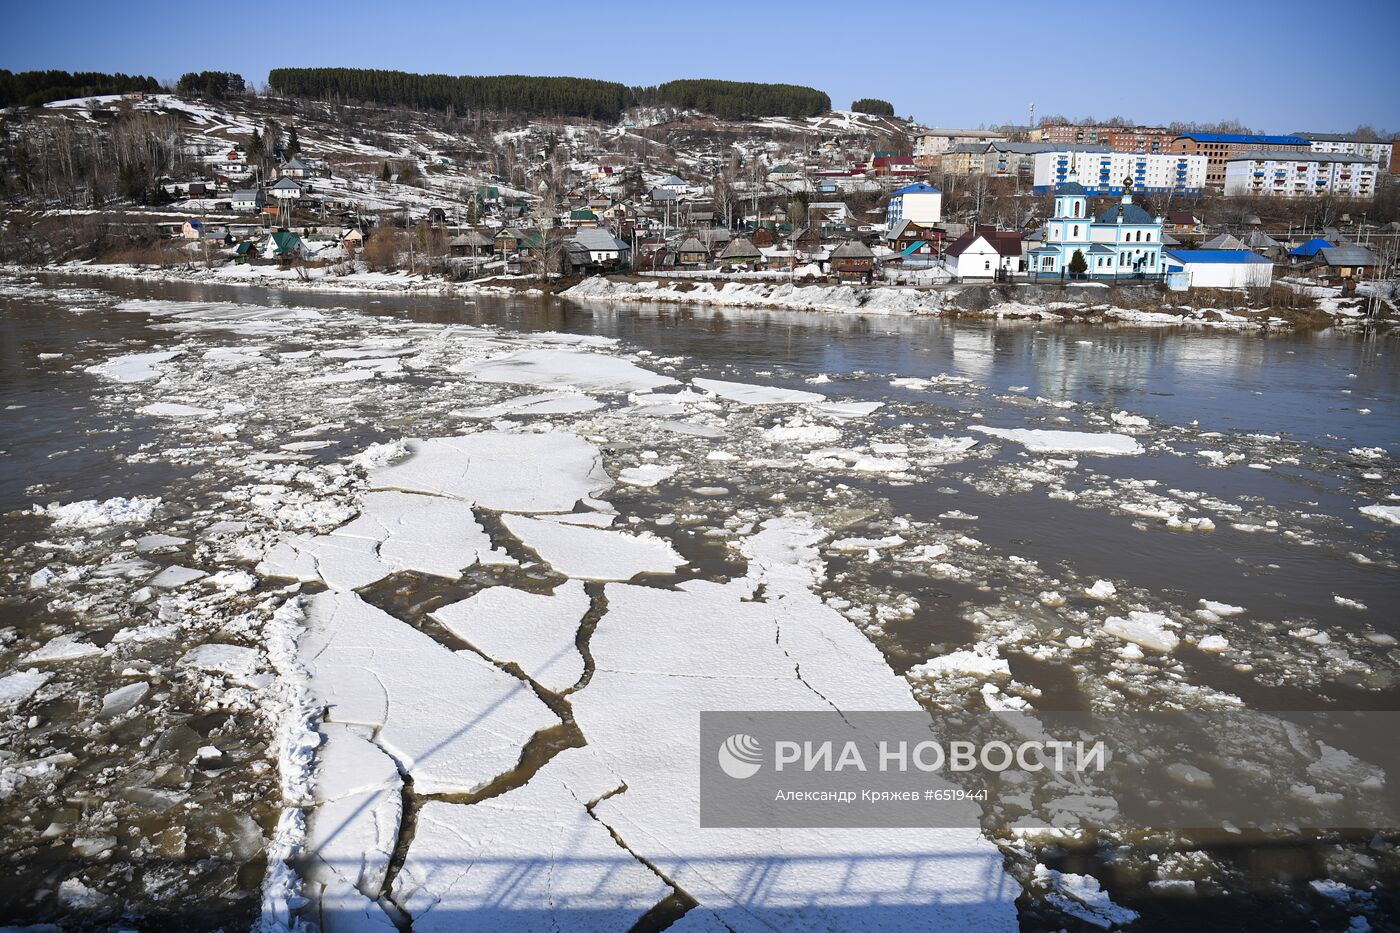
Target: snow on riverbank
(846, 298)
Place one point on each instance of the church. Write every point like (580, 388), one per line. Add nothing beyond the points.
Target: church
(1123, 242)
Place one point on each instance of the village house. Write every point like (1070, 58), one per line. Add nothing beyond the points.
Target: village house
(294, 168)
(284, 245)
(469, 242)
(247, 200)
(1348, 261)
(852, 261)
(287, 190)
(353, 240)
(741, 253)
(507, 240)
(784, 172)
(594, 249)
(692, 252)
(984, 253)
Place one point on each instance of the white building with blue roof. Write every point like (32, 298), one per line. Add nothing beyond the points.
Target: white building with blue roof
(922, 203)
(1123, 242)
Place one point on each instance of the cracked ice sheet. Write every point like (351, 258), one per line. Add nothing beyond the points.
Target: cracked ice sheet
(531, 859)
(593, 553)
(551, 368)
(501, 470)
(451, 720)
(662, 656)
(535, 630)
(352, 832)
(748, 394)
(1076, 442)
(396, 531)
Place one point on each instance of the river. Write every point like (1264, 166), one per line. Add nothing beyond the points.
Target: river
(1237, 515)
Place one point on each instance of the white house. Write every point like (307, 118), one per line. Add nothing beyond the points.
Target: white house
(784, 172)
(1220, 268)
(1123, 242)
(1101, 171)
(287, 189)
(600, 247)
(247, 200)
(984, 254)
(1300, 175)
(294, 168)
(919, 202)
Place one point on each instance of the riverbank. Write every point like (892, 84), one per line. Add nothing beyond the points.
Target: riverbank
(1288, 305)
(1283, 307)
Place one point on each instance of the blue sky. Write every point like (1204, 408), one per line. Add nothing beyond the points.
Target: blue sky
(1279, 66)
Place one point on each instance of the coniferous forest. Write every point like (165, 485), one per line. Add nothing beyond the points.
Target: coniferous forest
(739, 99)
(32, 88)
(873, 106)
(545, 96)
(565, 97)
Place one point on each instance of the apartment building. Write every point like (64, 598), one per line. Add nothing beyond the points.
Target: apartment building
(1101, 171)
(1117, 138)
(929, 144)
(1219, 147)
(1281, 175)
(1348, 144)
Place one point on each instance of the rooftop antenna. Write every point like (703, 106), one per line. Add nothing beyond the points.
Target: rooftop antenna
(1031, 125)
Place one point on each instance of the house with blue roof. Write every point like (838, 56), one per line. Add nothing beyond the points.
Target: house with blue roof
(1308, 250)
(920, 202)
(1123, 242)
(1219, 268)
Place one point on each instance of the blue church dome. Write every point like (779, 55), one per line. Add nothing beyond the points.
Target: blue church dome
(1132, 214)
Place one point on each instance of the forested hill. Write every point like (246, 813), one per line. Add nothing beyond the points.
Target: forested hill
(545, 96)
(32, 88)
(732, 100)
(566, 97)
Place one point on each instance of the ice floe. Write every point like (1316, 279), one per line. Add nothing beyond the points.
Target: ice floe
(592, 553)
(91, 513)
(747, 394)
(134, 367)
(531, 859)
(537, 631)
(368, 668)
(500, 470)
(661, 656)
(396, 531)
(579, 369)
(1075, 442)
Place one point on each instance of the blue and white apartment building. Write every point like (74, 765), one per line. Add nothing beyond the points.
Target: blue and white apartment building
(1101, 171)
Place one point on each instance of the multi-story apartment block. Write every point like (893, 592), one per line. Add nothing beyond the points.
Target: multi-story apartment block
(1102, 171)
(1218, 147)
(1012, 160)
(920, 203)
(930, 144)
(1281, 175)
(1347, 144)
(962, 159)
(1117, 138)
